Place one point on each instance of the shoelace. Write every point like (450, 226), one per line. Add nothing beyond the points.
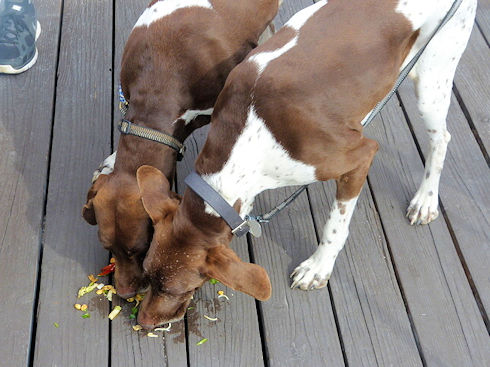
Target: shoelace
(11, 26)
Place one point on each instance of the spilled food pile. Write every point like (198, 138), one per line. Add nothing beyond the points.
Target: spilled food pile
(107, 290)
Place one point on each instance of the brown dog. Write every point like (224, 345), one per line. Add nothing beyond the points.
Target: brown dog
(174, 65)
(296, 105)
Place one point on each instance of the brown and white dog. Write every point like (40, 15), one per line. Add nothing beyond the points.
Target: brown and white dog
(296, 107)
(174, 65)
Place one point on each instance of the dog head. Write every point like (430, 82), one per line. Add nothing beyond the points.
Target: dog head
(114, 203)
(181, 258)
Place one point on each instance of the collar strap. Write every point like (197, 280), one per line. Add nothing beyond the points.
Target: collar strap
(238, 226)
(128, 128)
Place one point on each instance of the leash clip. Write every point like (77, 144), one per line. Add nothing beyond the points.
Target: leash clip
(241, 229)
(180, 152)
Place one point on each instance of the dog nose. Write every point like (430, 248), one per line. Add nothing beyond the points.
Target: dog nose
(126, 292)
(145, 320)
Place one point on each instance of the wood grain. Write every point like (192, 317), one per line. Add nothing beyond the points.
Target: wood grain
(464, 190)
(373, 321)
(81, 137)
(445, 315)
(299, 327)
(483, 17)
(26, 105)
(472, 80)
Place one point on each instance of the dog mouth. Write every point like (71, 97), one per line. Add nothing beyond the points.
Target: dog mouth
(145, 320)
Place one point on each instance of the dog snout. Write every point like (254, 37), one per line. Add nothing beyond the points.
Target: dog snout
(146, 321)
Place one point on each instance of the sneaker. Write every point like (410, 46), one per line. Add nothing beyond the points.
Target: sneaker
(19, 31)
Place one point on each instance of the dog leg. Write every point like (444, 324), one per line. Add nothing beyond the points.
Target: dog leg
(315, 272)
(434, 75)
(105, 167)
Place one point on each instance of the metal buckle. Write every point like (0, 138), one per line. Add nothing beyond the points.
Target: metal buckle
(238, 230)
(180, 152)
(125, 129)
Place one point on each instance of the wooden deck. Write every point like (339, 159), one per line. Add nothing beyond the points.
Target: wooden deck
(399, 295)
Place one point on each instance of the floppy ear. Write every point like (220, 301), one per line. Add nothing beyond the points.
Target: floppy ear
(88, 212)
(155, 192)
(224, 265)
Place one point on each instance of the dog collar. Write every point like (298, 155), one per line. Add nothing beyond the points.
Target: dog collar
(238, 225)
(126, 127)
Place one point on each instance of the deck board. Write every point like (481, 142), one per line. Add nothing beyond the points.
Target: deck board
(483, 17)
(474, 65)
(24, 145)
(296, 323)
(399, 295)
(81, 137)
(373, 321)
(438, 295)
(464, 190)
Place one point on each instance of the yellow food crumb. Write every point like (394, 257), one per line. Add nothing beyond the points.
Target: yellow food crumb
(77, 306)
(137, 327)
(221, 293)
(83, 307)
(113, 260)
(114, 312)
(92, 278)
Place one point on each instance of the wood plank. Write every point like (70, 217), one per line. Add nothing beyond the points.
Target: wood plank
(472, 80)
(26, 104)
(373, 321)
(81, 137)
(129, 348)
(296, 323)
(464, 192)
(444, 312)
(288, 9)
(483, 17)
(136, 349)
(233, 340)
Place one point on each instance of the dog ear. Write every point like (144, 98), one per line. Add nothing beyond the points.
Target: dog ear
(88, 212)
(155, 192)
(223, 264)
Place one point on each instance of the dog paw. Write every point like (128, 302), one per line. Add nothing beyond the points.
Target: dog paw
(423, 208)
(310, 275)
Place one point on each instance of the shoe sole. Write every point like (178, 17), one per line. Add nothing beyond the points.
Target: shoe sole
(8, 69)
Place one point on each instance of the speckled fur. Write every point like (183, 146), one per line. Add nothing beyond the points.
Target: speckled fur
(433, 77)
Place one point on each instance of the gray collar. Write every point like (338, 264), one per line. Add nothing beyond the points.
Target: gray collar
(238, 225)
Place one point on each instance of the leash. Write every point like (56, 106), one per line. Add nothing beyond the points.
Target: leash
(126, 127)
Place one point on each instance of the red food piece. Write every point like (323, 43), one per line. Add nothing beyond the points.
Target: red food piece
(107, 270)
